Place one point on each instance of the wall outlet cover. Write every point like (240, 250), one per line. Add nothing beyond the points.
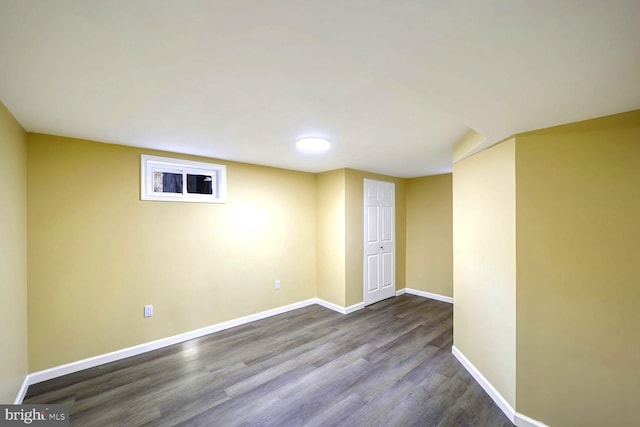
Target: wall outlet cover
(148, 311)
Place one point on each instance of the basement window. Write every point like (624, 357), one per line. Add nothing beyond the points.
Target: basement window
(176, 180)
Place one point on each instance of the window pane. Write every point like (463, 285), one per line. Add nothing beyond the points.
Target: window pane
(176, 180)
(199, 184)
(166, 182)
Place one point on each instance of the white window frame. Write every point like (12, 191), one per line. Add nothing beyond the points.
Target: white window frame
(150, 164)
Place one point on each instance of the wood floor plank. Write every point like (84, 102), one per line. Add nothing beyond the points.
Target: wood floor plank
(389, 364)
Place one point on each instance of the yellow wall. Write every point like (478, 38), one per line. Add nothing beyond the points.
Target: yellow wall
(97, 253)
(355, 233)
(340, 234)
(578, 296)
(429, 253)
(331, 236)
(13, 256)
(484, 264)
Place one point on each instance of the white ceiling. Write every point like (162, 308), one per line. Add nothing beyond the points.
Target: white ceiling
(393, 84)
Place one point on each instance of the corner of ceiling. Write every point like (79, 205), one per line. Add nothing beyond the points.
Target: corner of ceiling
(469, 144)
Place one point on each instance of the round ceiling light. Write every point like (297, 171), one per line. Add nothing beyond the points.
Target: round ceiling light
(313, 145)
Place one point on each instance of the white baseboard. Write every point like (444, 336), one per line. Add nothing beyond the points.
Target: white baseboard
(485, 384)
(330, 306)
(23, 391)
(524, 421)
(360, 305)
(424, 294)
(354, 307)
(517, 418)
(91, 362)
(339, 308)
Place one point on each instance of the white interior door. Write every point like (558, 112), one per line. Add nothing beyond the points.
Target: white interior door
(379, 241)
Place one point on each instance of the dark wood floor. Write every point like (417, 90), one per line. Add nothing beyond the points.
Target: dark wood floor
(389, 364)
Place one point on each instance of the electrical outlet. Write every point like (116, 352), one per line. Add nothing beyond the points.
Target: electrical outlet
(277, 284)
(148, 311)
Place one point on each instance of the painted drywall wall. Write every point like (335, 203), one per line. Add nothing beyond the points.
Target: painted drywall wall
(355, 234)
(13, 256)
(484, 264)
(578, 258)
(330, 202)
(97, 253)
(429, 233)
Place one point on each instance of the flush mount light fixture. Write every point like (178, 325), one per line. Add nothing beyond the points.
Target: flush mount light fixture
(313, 144)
